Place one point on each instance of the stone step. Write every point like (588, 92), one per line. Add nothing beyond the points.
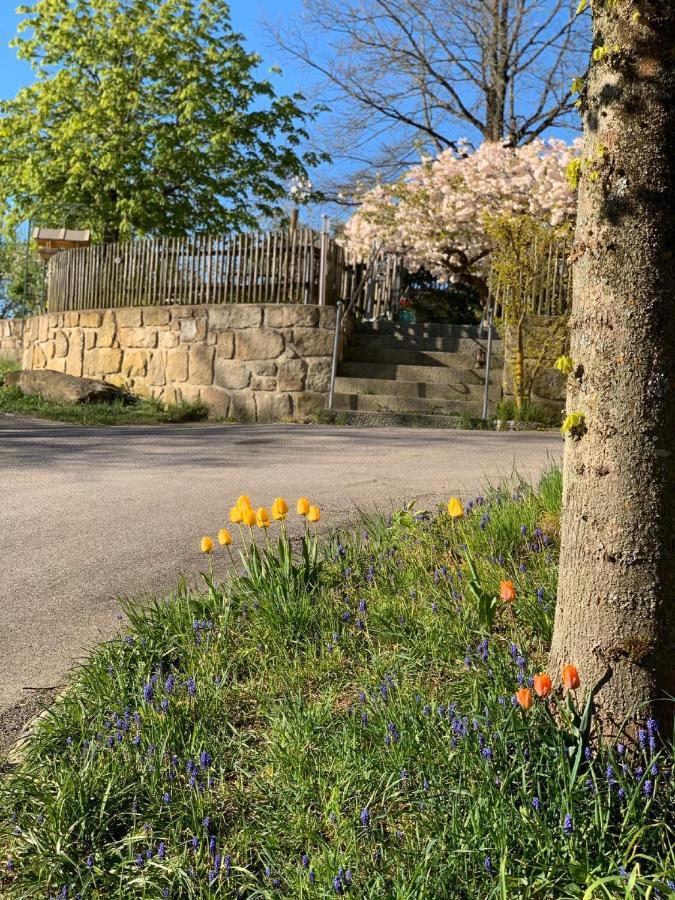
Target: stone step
(449, 344)
(384, 419)
(399, 356)
(461, 373)
(421, 389)
(422, 329)
(429, 406)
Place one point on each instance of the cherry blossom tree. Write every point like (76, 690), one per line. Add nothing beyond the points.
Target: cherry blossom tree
(438, 213)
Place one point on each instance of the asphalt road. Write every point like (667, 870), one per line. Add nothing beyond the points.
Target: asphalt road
(91, 514)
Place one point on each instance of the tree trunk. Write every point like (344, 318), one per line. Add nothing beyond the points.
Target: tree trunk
(615, 618)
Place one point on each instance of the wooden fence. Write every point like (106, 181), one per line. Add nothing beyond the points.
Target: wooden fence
(293, 266)
(543, 283)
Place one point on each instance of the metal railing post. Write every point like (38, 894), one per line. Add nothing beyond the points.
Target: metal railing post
(336, 351)
(323, 261)
(488, 355)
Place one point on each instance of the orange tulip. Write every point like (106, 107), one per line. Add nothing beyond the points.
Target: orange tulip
(314, 514)
(224, 537)
(303, 506)
(524, 697)
(507, 591)
(249, 517)
(542, 684)
(206, 544)
(570, 677)
(236, 517)
(455, 508)
(244, 502)
(279, 509)
(262, 517)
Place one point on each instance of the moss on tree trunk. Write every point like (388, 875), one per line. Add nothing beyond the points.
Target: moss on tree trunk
(615, 618)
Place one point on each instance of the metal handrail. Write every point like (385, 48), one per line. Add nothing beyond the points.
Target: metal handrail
(339, 318)
(486, 321)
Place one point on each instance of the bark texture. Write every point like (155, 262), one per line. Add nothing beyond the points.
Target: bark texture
(615, 618)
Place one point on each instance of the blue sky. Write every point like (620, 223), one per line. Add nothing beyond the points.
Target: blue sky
(247, 17)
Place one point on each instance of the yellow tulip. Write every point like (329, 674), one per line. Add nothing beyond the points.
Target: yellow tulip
(279, 509)
(262, 517)
(303, 506)
(249, 517)
(224, 537)
(236, 517)
(244, 502)
(314, 514)
(207, 544)
(455, 508)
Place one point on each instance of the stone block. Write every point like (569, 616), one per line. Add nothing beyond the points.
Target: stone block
(168, 339)
(128, 318)
(550, 384)
(157, 368)
(118, 380)
(263, 383)
(42, 329)
(291, 375)
(156, 315)
(171, 395)
(217, 400)
(91, 319)
(273, 407)
(291, 315)
(71, 319)
(89, 340)
(224, 345)
(235, 315)
(327, 317)
(138, 337)
(176, 365)
(61, 344)
(231, 374)
(201, 365)
(102, 361)
(54, 320)
(49, 349)
(135, 363)
(313, 342)
(57, 365)
(108, 330)
(264, 367)
(39, 360)
(193, 330)
(259, 344)
(75, 349)
(242, 406)
(318, 375)
(308, 403)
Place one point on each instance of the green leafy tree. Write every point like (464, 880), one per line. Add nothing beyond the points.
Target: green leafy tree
(149, 115)
(21, 279)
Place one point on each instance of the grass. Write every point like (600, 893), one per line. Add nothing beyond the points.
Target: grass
(341, 723)
(140, 412)
(529, 412)
(7, 365)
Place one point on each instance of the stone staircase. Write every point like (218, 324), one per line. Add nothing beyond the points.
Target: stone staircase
(424, 370)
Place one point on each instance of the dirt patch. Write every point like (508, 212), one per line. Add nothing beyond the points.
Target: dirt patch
(12, 720)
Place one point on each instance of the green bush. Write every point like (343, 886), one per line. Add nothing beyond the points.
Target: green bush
(529, 412)
(347, 727)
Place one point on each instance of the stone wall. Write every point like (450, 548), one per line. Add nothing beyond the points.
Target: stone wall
(542, 334)
(251, 362)
(11, 339)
